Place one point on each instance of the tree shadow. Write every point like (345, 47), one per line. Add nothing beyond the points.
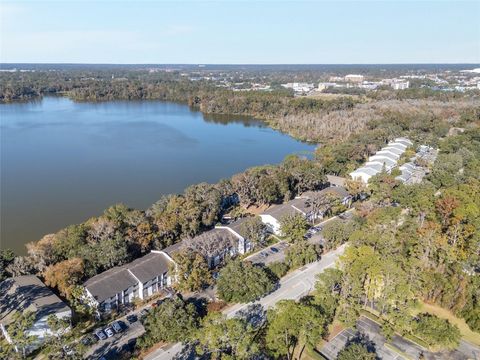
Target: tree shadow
(364, 340)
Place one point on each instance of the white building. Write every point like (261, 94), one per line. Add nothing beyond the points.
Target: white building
(122, 284)
(400, 85)
(384, 159)
(364, 174)
(28, 293)
(302, 205)
(299, 87)
(325, 85)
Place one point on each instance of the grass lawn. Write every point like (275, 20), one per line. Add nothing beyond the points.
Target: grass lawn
(334, 329)
(466, 332)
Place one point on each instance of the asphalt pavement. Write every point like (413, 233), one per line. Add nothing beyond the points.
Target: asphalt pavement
(372, 332)
(292, 287)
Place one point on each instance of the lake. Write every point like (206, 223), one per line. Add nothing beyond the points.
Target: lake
(63, 162)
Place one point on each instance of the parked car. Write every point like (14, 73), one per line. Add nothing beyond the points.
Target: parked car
(67, 350)
(144, 313)
(132, 318)
(116, 327)
(274, 249)
(86, 340)
(109, 332)
(100, 334)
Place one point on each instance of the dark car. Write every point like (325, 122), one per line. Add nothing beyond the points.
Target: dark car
(86, 340)
(144, 313)
(100, 334)
(132, 318)
(116, 327)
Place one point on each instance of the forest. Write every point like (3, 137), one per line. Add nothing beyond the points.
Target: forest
(409, 245)
(306, 118)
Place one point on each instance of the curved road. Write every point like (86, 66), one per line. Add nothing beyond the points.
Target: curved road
(292, 287)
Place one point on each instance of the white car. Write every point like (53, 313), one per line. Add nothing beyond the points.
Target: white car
(109, 332)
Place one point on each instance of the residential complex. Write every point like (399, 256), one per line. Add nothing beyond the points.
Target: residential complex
(120, 285)
(310, 204)
(28, 294)
(386, 158)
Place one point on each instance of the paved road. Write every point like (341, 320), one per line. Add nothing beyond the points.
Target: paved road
(372, 330)
(293, 286)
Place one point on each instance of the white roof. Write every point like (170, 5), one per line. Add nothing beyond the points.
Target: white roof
(388, 153)
(398, 145)
(408, 166)
(404, 140)
(384, 159)
(377, 165)
(396, 150)
(364, 170)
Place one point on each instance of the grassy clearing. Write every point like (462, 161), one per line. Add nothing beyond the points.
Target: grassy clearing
(466, 332)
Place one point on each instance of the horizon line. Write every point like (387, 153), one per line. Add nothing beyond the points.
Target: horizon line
(235, 64)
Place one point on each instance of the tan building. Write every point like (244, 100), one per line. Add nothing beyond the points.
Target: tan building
(354, 78)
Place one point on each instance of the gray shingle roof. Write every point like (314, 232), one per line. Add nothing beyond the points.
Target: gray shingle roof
(279, 211)
(27, 293)
(110, 282)
(336, 180)
(172, 249)
(334, 190)
(301, 204)
(149, 266)
(237, 226)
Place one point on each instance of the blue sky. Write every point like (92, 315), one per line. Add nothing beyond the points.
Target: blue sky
(260, 32)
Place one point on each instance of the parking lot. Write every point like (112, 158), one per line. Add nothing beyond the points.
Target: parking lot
(372, 331)
(111, 347)
(273, 253)
(333, 347)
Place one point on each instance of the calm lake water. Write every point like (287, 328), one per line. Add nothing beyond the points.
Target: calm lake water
(63, 162)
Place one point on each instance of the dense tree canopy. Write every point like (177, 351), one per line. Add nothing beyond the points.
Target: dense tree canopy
(172, 321)
(243, 282)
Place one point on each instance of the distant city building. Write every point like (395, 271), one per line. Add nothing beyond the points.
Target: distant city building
(335, 78)
(400, 85)
(325, 85)
(354, 78)
(299, 87)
